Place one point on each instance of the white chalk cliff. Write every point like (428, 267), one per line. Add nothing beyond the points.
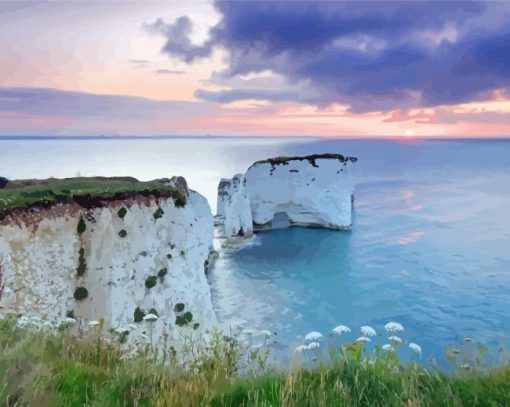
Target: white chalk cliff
(131, 257)
(315, 190)
(233, 207)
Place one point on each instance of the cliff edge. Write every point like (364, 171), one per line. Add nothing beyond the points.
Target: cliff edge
(108, 248)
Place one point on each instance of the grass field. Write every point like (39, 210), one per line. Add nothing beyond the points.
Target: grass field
(55, 369)
(27, 193)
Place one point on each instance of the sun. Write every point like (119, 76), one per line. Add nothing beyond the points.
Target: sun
(409, 133)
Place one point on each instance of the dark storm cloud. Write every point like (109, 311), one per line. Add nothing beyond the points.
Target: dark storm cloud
(371, 55)
(178, 42)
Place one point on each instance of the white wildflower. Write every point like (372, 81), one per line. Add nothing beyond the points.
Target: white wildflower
(93, 323)
(301, 348)
(367, 331)
(465, 366)
(265, 333)
(314, 345)
(395, 339)
(341, 329)
(70, 320)
(388, 348)
(393, 327)
(313, 336)
(415, 347)
(150, 317)
(363, 339)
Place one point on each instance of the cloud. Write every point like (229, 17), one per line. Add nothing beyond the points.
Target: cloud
(371, 55)
(139, 61)
(486, 112)
(227, 96)
(67, 112)
(178, 41)
(168, 72)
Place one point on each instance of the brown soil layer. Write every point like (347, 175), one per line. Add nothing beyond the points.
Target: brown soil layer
(66, 203)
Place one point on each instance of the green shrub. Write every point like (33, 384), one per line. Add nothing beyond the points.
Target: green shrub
(82, 265)
(180, 202)
(122, 212)
(196, 325)
(81, 226)
(162, 273)
(123, 336)
(81, 293)
(70, 314)
(122, 233)
(153, 312)
(138, 314)
(183, 320)
(151, 281)
(159, 213)
(168, 256)
(179, 307)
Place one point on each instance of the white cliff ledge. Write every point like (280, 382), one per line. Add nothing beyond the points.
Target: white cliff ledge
(313, 191)
(118, 260)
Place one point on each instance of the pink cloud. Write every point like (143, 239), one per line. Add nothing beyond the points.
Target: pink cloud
(418, 116)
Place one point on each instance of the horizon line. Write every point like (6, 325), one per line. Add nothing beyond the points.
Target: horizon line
(155, 137)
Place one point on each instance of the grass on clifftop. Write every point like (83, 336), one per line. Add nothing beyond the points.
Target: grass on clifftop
(55, 369)
(27, 193)
(310, 158)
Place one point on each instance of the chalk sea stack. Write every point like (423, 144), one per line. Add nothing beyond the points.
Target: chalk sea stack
(313, 191)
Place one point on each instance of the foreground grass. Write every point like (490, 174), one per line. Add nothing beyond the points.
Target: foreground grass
(52, 368)
(26, 193)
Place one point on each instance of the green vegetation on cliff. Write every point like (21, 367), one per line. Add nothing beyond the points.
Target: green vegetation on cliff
(53, 368)
(87, 192)
(284, 160)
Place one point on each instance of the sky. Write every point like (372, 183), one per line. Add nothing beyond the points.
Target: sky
(261, 68)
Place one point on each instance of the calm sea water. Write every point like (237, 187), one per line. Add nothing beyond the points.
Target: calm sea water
(429, 248)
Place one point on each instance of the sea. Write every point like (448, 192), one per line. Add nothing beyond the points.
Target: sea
(429, 246)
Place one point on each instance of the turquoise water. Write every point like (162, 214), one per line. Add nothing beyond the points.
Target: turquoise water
(429, 248)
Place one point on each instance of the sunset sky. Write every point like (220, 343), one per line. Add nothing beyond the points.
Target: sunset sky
(255, 68)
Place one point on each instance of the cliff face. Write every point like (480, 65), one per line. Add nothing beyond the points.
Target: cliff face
(307, 191)
(314, 190)
(233, 207)
(117, 262)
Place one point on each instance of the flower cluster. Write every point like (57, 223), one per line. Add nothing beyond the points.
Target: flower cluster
(366, 335)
